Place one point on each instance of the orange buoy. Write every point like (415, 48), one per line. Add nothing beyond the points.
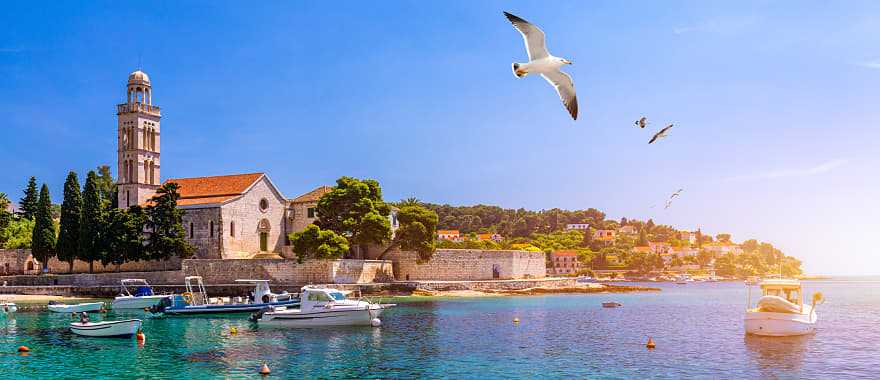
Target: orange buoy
(24, 349)
(650, 343)
(264, 370)
(140, 336)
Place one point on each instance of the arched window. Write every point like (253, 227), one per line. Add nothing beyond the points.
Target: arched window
(211, 225)
(232, 229)
(191, 230)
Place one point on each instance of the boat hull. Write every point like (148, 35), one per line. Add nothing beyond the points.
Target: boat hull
(8, 308)
(77, 308)
(360, 317)
(225, 309)
(780, 324)
(132, 302)
(110, 329)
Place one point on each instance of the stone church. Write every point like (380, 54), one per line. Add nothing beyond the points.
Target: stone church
(237, 216)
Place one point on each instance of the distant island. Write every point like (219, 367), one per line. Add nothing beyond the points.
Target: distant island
(604, 244)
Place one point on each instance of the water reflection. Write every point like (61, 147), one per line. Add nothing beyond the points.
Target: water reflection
(777, 355)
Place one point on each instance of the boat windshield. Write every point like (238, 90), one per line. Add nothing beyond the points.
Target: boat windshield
(338, 296)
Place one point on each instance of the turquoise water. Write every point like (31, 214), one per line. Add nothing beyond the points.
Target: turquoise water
(697, 328)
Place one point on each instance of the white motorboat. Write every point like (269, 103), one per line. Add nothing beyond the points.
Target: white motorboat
(195, 300)
(7, 307)
(781, 311)
(58, 307)
(323, 307)
(107, 329)
(683, 279)
(142, 297)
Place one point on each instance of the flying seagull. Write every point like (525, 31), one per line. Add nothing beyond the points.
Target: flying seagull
(541, 62)
(641, 123)
(671, 197)
(660, 135)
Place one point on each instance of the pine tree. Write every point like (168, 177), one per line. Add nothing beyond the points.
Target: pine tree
(643, 238)
(107, 186)
(71, 213)
(125, 236)
(167, 237)
(91, 243)
(43, 238)
(28, 205)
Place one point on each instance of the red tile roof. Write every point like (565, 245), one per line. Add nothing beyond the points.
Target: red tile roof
(312, 196)
(216, 189)
(566, 253)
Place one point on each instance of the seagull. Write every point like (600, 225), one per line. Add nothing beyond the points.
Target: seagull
(541, 62)
(641, 123)
(671, 197)
(660, 135)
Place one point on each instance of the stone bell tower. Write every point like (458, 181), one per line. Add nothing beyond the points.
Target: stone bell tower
(138, 144)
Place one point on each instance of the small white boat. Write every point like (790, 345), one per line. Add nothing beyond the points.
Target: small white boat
(58, 307)
(142, 297)
(323, 307)
(7, 307)
(107, 329)
(781, 311)
(683, 279)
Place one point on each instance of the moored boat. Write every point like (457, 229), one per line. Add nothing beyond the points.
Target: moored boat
(323, 307)
(142, 297)
(195, 300)
(106, 329)
(7, 307)
(58, 307)
(611, 304)
(781, 311)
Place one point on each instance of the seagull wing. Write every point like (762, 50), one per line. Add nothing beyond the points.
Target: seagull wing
(565, 88)
(532, 35)
(656, 136)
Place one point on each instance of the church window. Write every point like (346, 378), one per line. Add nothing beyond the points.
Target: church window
(311, 212)
(191, 227)
(232, 229)
(211, 225)
(264, 204)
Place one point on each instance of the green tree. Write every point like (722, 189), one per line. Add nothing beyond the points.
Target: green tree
(587, 239)
(418, 225)
(107, 187)
(17, 234)
(723, 238)
(43, 239)
(315, 243)
(750, 245)
(71, 213)
(355, 210)
(167, 237)
(704, 257)
(29, 203)
(125, 237)
(92, 223)
(5, 215)
(643, 238)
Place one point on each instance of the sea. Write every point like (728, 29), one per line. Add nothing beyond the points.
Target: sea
(697, 328)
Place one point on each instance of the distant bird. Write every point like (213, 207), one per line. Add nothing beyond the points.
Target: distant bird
(671, 197)
(541, 62)
(641, 123)
(660, 135)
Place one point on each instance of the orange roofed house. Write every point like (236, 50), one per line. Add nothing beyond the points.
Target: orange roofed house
(563, 262)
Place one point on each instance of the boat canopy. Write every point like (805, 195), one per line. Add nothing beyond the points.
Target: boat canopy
(780, 284)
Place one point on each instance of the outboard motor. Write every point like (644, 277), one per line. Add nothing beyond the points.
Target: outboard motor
(160, 307)
(259, 314)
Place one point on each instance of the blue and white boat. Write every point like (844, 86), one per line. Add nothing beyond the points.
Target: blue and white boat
(195, 300)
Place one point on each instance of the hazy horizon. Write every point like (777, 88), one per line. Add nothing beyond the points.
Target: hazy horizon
(774, 134)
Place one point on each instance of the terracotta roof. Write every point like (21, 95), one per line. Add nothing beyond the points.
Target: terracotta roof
(312, 196)
(216, 189)
(447, 232)
(564, 253)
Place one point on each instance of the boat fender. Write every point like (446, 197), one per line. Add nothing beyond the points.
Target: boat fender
(140, 336)
(375, 322)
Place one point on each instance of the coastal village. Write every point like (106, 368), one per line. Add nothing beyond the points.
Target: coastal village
(234, 226)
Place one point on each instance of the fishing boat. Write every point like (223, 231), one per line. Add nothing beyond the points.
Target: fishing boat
(142, 297)
(7, 307)
(58, 307)
(195, 300)
(683, 279)
(323, 307)
(781, 311)
(106, 329)
(611, 304)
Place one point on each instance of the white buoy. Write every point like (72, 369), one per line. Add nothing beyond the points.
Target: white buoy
(375, 322)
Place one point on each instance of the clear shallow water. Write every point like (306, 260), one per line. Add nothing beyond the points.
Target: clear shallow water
(697, 328)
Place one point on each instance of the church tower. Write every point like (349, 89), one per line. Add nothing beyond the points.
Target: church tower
(138, 143)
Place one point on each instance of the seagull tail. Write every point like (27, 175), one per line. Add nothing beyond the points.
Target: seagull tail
(518, 70)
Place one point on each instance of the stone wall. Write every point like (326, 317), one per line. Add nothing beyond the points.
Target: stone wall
(17, 260)
(245, 212)
(204, 230)
(282, 271)
(469, 265)
(95, 279)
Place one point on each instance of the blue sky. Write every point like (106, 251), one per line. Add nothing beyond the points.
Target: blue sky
(774, 103)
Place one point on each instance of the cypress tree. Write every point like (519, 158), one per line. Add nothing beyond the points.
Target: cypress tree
(71, 213)
(28, 205)
(91, 224)
(165, 225)
(43, 238)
